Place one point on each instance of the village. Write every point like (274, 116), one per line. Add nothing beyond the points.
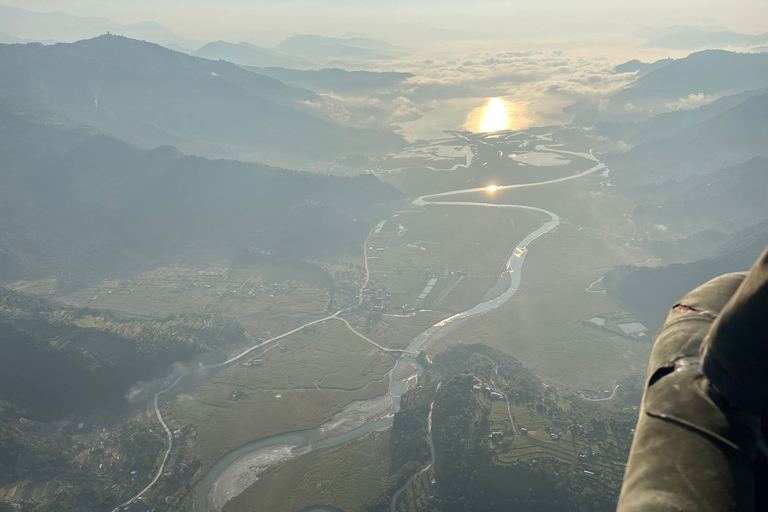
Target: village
(518, 434)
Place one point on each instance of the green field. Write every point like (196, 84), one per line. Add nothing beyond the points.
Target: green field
(545, 325)
(322, 369)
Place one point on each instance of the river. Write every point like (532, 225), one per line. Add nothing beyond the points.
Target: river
(240, 468)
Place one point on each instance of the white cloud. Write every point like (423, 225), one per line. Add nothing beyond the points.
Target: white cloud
(690, 102)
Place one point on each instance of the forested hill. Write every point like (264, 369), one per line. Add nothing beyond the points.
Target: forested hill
(101, 201)
(686, 205)
(650, 292)
(516, 445)
(91, 358)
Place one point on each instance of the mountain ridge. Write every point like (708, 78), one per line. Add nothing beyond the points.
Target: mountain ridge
(150, 95)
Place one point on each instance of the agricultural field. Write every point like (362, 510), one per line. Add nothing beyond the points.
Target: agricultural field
(296, 384)
(211, 289)
(429, 264)
(438, 240)
(604, 452)
(546, 324)
(267, 301)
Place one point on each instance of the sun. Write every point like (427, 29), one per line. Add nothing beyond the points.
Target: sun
(496, 114)
(492, 188)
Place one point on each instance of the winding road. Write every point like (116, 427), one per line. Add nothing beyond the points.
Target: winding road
(610, 397)
(393, 504)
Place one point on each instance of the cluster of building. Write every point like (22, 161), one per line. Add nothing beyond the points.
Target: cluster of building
(375, 298)
(493, 395)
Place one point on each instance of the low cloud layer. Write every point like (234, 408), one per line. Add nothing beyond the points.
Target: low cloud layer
(444, 92)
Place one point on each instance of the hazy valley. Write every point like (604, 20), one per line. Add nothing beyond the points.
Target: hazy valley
(247, 277)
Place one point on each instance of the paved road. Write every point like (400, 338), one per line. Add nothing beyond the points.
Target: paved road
(611, 397)
(167, 452)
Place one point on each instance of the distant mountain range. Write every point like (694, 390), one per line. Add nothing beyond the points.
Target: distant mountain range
(68, 195)
(706, 74)
(327, 49)
(302, 51)
(151, 96)
(61, 27)
(6, 38)
(687, 37)
(247, 54)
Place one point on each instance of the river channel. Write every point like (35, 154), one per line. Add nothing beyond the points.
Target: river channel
(240, 468)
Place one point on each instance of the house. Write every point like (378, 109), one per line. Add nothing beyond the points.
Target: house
(497, 396)
(497, 437)
(589, 473)
(524, 431)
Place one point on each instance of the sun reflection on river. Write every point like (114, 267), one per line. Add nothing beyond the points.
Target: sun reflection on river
(496, 115)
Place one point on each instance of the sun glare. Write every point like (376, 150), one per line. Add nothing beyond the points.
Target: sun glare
(492, 188)
(495, 116)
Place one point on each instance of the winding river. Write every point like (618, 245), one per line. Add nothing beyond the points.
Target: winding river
(247, 462)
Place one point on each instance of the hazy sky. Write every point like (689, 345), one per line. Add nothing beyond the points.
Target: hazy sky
(228, 19)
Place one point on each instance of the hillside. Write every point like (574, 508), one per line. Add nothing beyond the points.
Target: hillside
(650, 292)
(150, 95)
(738, 192)
(534, 462)
(102, 202)
(639, 67)
(705, 72)
(91, 358)
(73, 383)
(733, 136)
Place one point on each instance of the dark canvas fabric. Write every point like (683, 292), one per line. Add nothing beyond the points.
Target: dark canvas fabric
(693, 451)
